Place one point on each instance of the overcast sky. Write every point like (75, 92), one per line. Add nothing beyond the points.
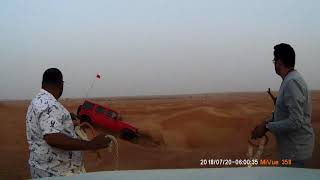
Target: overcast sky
(144, 47)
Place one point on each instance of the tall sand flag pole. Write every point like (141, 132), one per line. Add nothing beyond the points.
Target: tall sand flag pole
(94, 80)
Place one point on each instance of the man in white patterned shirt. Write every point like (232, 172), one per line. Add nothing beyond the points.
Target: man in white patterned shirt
(55, 149)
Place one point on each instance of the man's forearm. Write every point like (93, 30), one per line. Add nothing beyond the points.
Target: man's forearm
(284, 125)
(64, 142)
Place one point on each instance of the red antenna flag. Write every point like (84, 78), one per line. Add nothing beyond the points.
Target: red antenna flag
(98, 77)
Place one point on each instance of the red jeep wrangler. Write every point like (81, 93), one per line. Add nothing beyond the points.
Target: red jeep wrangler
(105, 117)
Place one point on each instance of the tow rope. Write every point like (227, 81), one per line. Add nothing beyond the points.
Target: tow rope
(113, 146)
(262, 142)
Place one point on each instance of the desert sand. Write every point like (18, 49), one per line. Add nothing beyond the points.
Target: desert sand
(184, 129)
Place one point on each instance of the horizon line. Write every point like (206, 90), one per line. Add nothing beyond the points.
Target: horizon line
(157, 96)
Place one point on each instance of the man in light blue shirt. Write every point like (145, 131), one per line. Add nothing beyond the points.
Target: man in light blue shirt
(291, 120)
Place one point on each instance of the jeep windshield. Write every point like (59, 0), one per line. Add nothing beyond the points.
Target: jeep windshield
(100, 109)
(87, 105)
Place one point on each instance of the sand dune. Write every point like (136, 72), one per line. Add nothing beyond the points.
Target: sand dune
(182, 130)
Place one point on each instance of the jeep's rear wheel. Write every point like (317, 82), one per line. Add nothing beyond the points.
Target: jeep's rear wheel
(128, 134)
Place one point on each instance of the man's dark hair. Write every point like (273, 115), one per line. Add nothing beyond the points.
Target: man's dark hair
(52, 76)
(286, 53)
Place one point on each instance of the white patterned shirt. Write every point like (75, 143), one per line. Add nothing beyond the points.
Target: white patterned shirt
(46, 116)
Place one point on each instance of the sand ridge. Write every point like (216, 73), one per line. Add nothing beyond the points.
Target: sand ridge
(183, 130)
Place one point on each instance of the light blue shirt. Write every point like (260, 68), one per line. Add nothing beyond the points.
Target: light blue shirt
(291, 122)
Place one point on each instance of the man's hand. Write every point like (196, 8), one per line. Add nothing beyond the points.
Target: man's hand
(259, 131)
(99, 142)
